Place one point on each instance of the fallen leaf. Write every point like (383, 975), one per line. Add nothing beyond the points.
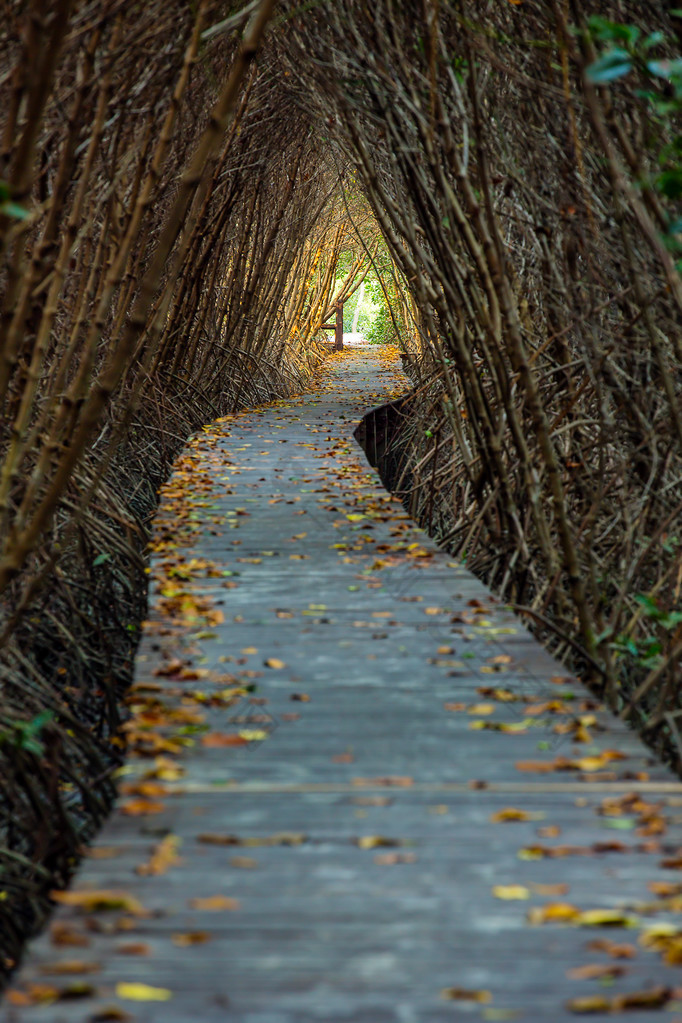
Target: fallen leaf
(100, 899)
(376, 841)
(134, 948)
(164, 856)
(510, 891)
(466, 995)
(604, 918)
(596, 971)
(142, 807)
(612, 948)
(214, 903)
(553, 912)
(274, 662)
(510, 813)
(190, 938)
(589, 1004)
(68, 967)
(66, 934)
(143, 993)
(110, 1014)
(221, 740)
(665, 889)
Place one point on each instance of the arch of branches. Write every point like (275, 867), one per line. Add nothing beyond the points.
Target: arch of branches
(186, 190)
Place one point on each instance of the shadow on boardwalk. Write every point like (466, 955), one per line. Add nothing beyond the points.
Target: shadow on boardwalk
(358, 790)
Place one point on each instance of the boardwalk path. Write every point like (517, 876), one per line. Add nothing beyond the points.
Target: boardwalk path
(348, 819)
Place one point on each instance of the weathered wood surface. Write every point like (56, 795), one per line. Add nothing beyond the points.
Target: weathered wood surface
(324, 928)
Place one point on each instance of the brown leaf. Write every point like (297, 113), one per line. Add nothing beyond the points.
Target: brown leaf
(656, 998)
(134, 948)
(214, 903)
(665, 889)
(510, 813)
(376, 841)
(110, 1014)
(596, 971)
(466, 995)
(67, 934)
(190, 938)
(69, 967)
(171, 667)
(220, 740)
(612, 948)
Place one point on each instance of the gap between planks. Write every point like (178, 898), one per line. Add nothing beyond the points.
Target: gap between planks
(342, 788)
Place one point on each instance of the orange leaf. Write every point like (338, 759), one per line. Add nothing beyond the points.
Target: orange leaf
(142, 807)
(217, 740)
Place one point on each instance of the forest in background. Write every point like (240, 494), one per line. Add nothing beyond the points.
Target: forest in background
(184, 194)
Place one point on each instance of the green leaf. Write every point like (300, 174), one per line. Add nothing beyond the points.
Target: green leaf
(101, 559)
(612, 31)
(614, 64)
(13, 209)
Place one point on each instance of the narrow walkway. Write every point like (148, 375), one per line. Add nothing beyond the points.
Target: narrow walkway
(359, 791)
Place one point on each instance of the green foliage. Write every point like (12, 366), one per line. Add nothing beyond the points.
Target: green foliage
(630, 53)
(382, 330)
(25, 735)
(648, 650)
(8, 206)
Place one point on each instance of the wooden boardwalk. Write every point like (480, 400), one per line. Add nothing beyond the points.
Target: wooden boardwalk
(359, 790)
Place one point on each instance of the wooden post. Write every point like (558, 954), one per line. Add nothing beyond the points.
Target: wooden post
(338, 333)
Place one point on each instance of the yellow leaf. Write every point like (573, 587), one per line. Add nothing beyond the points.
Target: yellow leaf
(481, 709)
(100, 899)
(375, 841)
(511, 891)
(274, 662)
(510, 813)
(553, 912)
(604, 918)
(589, 1004)
(143, 993)
(253, 734)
